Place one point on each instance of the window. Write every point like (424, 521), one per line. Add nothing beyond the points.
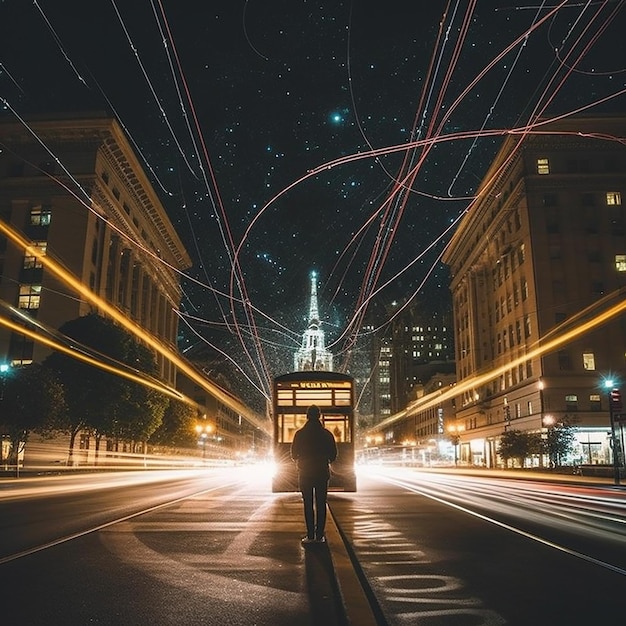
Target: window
(589, 361)
(594, 402)
(613, 198)
(620, 262)
(543, 166)
(40, 216)
(30, 296)
(33, 260)
(564, 361)
(527, 328)
(571, 403)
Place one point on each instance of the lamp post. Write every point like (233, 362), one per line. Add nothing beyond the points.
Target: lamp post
(455, 437)
(4, 370)
(549, 425)
(615, 404)
(507, 414)
(204, 430)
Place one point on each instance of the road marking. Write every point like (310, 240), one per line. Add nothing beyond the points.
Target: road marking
(440, 598)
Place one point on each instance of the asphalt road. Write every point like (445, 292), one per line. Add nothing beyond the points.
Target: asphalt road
(215, 546)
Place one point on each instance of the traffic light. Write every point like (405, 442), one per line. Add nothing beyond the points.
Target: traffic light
(615, 396)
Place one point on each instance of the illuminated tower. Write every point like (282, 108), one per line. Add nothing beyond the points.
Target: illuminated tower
(312, 354)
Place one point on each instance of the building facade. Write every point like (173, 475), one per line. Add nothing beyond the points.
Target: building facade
(538, 268)
(76, 191)
(423, 346)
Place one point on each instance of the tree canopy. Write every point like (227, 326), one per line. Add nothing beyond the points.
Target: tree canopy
(32, 399)
(102, 401)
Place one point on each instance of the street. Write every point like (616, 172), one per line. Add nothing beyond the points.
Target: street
(215, 546)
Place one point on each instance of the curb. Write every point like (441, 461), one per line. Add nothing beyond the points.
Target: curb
(355, 601)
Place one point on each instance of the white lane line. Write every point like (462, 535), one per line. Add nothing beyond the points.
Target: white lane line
(518, 531)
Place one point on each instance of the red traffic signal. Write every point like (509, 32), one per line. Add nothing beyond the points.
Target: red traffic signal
(615, 396)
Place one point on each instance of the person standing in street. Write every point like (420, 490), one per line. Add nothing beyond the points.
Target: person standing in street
(314, 449)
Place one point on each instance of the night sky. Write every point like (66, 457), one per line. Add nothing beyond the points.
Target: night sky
(258, 120)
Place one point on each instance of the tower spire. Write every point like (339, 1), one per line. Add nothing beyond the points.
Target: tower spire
(314, 315)
(312, 354)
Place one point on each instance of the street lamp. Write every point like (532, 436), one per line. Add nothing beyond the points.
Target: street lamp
(615, 405)
(204, 430)
(549, 424)
(455, 431)
(4, 370)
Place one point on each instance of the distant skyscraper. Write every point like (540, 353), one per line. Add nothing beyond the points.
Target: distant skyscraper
(312, 354)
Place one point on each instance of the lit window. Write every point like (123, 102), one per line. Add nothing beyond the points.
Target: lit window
(613, 198)
(620, 262)
(40, 216)
(571, 403)
(589, 361)
(543, 166)
(34, 260)
(30, 296)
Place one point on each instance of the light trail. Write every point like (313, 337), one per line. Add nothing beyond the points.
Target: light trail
(156, 477)
(124, 372)
(237, 277)
(543, 347)
(59, 43)
(426, 133)
(69, 279)
(155, 96)
(446, 499)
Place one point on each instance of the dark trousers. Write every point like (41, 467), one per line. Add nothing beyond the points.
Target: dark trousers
(314, 492)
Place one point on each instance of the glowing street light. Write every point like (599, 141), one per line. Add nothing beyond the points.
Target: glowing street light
(204, 430)
(615, 406)
(455, 431)
(4, 371)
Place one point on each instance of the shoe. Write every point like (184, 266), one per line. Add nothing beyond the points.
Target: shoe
(306, 540)
(321, 539)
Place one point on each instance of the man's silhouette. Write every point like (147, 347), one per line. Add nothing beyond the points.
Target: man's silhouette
(313, 449)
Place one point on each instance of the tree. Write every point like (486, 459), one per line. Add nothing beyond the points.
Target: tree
(559, 441)
(515, 444)
(101, 401)
(177, 427)
(32, 399)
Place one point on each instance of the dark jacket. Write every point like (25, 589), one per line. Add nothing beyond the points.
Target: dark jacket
(313, 448)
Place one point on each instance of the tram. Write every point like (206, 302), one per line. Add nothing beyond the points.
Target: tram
(292, 394)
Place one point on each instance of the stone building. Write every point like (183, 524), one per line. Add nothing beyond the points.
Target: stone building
(75, 189)
(538, 274)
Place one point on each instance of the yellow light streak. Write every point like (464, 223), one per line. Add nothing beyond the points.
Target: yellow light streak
(69, 279)
(173, 393)
(541, 348)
